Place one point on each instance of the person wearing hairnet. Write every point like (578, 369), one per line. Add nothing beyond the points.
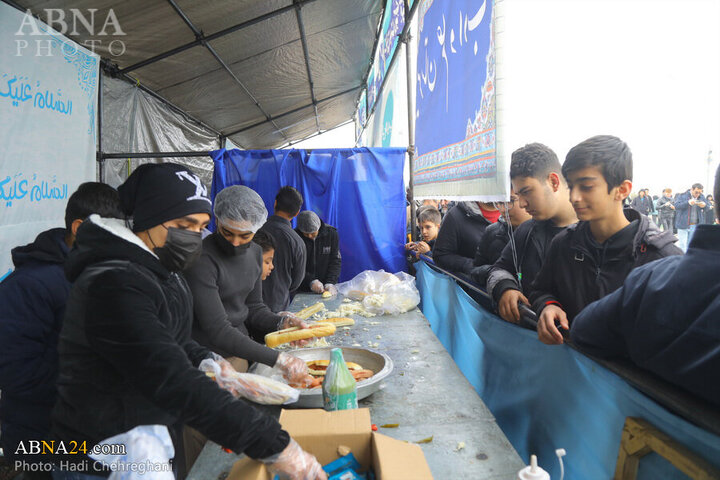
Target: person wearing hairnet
(226, 283)
(125, 350)
(322, 267)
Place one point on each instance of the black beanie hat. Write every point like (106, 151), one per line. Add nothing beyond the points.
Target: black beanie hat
(157, 192)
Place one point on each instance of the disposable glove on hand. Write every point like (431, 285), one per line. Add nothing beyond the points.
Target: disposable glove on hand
(294, 370)
(329, 287)
(294, 463)
(316, 286)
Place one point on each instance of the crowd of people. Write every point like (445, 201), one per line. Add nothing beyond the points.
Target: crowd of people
(105, 321)
(599, 269)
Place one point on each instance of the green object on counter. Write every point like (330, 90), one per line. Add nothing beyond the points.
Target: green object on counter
(339, 387)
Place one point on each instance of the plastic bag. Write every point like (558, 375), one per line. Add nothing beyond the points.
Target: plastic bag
(148, 450)
(255, 388)
(381, 292)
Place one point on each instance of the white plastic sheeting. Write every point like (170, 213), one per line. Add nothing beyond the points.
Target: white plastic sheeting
(134, 121)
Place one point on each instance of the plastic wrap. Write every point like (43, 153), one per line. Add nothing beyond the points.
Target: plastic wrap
(381, 292)
(147, 445)
(253, 387)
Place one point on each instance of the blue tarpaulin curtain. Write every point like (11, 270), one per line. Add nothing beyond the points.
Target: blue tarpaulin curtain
(360, 191)
(547, 397)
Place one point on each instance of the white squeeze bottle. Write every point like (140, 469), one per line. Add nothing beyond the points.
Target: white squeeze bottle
(532, 471)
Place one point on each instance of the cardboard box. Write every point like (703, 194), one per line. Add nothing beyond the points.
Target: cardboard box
(321, 433)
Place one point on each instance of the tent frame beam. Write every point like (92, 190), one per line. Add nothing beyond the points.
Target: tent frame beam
(207, 38)
(199, 35)
(306, 54)
(295, 110)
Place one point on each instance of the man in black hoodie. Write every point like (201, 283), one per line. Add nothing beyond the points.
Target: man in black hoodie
(289, 251)
(323, 260)
(33, 299)
(543, 193)
(593, 257)
(126, 355)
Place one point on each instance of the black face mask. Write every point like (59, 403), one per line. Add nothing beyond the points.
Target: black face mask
(181, 248)
(228, 248)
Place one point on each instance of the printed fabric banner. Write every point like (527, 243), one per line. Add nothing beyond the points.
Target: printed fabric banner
(48, 97)
(546, 397)
(359, 191)
(455, 103)
(393, 24)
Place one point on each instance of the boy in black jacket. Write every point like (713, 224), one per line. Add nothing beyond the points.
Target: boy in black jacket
(592, 258)
(541, 190)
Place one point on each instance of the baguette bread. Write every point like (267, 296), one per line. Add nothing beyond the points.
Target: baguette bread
(339, 321)
(308, 312)
(293, 334)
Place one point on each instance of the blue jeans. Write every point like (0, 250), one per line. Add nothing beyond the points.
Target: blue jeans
(684, 237)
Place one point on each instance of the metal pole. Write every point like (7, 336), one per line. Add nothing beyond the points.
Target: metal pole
(203, 153)
(99, 153)
(411, 117)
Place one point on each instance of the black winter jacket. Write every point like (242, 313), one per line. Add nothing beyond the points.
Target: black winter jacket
(289, 261)
(126, 356)
(664, 318)
(458, 239)
(578, 270)
(33, 301)
(532, 240)
(664, 205)
(323, 257)
(493, 242)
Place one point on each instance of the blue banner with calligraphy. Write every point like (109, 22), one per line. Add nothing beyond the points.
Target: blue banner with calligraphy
(455, 102)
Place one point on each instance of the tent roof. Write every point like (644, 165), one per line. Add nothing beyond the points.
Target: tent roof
(261, 72)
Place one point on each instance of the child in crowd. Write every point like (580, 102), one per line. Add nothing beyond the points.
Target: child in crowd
(542, 192)
(429, 220)
(592, 258)
(265, 240)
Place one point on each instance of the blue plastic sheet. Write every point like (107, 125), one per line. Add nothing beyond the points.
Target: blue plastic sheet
(548, 397)
(359, 191)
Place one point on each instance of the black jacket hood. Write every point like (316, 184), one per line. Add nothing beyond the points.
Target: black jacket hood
(103, 239)
(48, 247)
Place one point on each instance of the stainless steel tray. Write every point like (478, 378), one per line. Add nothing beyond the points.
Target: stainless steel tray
(378, 362)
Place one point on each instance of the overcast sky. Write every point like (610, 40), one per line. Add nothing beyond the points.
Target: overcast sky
(647, 71)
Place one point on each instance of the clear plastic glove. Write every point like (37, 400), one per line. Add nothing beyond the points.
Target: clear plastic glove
(294, 370)
(294, 463)
(289, 320)
(226, 370)
(316, 286)
(329, 287)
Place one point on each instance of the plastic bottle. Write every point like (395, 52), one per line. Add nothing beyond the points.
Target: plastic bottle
(339, 387)
(532, 471)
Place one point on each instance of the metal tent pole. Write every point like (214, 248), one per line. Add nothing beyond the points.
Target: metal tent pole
(201, 153)
(406, 38)
(99, 153)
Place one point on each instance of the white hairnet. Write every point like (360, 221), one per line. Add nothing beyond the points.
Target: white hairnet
(240, 208)
(308, 222)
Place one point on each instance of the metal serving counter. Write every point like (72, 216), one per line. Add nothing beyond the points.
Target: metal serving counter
(426, 395)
